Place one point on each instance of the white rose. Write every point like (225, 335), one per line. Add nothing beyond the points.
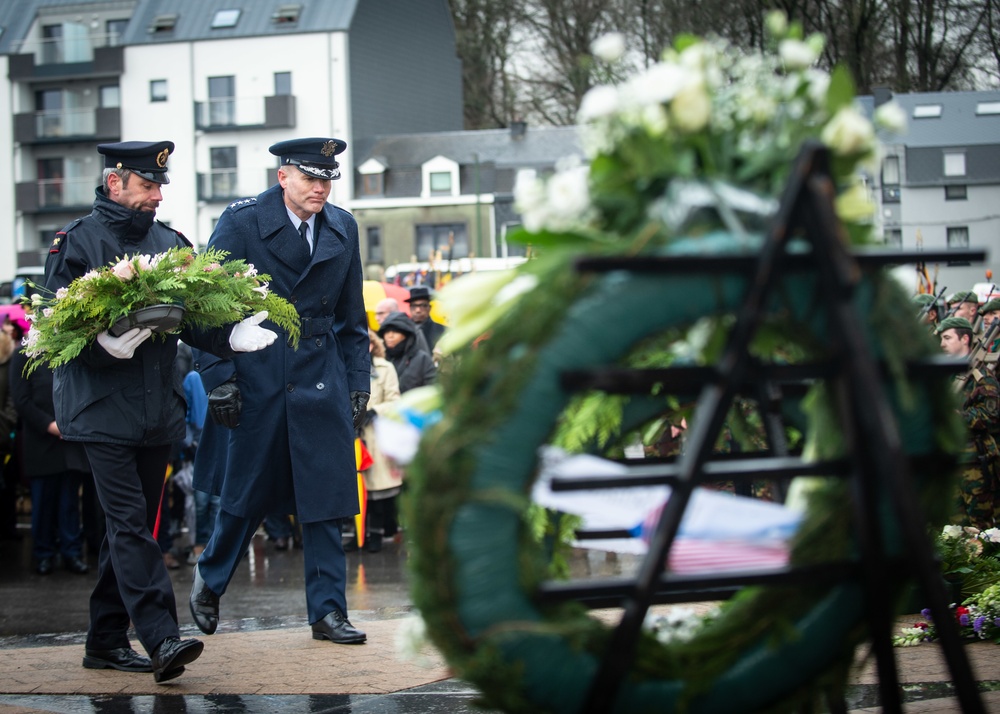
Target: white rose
(796, 54)
(991, 535)
(691, 108)
(609, 47)
(776, 23)
(848, 133)
(61, 293)
(658, 84)
(599, 102)
(891, 117)
(951, 532)
(655, 120)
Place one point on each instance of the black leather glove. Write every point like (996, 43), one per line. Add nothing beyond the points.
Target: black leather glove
(359, 400)
(225, 404)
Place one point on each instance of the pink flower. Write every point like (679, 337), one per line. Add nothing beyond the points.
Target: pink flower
(124, 270)
(61, 293)
(144, 263)
(212, 267)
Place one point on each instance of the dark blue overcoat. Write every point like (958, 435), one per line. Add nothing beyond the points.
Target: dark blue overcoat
(295, 429)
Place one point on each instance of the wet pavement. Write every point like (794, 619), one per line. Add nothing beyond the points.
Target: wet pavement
(263, 658)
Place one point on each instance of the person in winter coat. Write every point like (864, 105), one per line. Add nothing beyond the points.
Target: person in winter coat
(57, 469)
(414, 367)
(290, 413)
(382, 481)
(123, 399)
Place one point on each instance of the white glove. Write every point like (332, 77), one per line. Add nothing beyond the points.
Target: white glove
(125, 345)
(248, 337)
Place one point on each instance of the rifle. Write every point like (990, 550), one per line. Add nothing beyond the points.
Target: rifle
(981, 359)
(927, 308)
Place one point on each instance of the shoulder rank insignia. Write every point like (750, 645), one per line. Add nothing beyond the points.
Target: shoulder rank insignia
(60, 238)
(243, 202)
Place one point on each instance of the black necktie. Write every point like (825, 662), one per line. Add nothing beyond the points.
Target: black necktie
(303, 231)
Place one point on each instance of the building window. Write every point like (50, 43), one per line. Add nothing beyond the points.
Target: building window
(441, 183)
(110, 96)
(49, 108)
(927, 111)
(52, 46)
(222, 101)
(890, 179)
(157, 90)
(374, 234)
(894, 237)
(958, 237)
(286, 14)
(955, 193)
(988, 108)
(954, 163)
(371, 184)
(223, 160)
(282, 84)
(444, 240)
(115, 30)
(225, 18)
(50, 182)
(162, 24)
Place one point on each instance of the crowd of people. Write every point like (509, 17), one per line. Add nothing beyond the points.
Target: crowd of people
(969, 329)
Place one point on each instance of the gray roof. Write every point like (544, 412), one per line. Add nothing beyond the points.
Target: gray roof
(540, 146)
(194, 18)
(958, 125)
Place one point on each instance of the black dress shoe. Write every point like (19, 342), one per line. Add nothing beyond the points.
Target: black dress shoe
(76, 564)
(172, 654)
(281, 543)
(373, 543)
(44, 566)
(124, 659)
(204, 604)
(336, 628)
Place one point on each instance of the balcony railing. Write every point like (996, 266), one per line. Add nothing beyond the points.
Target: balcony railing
(228, 113)
(67, 50)
(67, 125)
(55, 194)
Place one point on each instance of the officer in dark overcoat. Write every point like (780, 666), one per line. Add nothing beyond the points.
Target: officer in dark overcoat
(292, 411)
(122, 398)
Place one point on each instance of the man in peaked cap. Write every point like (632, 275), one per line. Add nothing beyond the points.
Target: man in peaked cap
(118, 398)
(292, 412)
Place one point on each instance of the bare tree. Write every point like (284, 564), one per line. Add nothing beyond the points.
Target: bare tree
(483, 33)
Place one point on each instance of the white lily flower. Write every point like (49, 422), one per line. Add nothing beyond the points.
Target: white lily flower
(599, 102)
(691, 108)
(796, 54)
(262, 289)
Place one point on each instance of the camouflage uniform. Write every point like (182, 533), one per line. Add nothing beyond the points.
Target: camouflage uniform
(978, 503)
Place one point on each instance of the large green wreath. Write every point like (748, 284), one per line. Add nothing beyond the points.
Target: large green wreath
(688, 158)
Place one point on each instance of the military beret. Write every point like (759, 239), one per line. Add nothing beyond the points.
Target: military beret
(147, 159)
(923, 299)
(312, 156)
(953, 323)
(992, 305)
(963, 296)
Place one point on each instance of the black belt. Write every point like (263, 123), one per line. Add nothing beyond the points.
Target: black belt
(310, 326)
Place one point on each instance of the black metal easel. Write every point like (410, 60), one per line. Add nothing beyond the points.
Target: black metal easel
(874, 462)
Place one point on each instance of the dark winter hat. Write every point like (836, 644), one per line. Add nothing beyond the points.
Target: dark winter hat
(419, 292)
(312, 156)
(953, 323)
(147, 159)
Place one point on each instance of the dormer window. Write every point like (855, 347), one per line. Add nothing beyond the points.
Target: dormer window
(162, 24)
(286, 14)
(440, 177)
(372, 177)
(987, 108)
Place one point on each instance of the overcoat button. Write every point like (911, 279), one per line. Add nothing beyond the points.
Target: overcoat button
(320, 386)
(293, 299)
(323, 300)
(290, 387)
(319, 342)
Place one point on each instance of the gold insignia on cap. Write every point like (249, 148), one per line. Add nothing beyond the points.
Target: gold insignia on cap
(118, 165)
(329, 148)
(161, 158)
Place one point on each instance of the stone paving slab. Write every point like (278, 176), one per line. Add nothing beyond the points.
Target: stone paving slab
(284, 661)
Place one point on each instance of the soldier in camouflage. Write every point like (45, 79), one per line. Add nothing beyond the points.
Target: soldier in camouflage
(981, 411)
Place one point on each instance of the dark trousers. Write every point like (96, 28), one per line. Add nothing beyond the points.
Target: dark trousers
(323, 553)
(132, 581)
(55, 514)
